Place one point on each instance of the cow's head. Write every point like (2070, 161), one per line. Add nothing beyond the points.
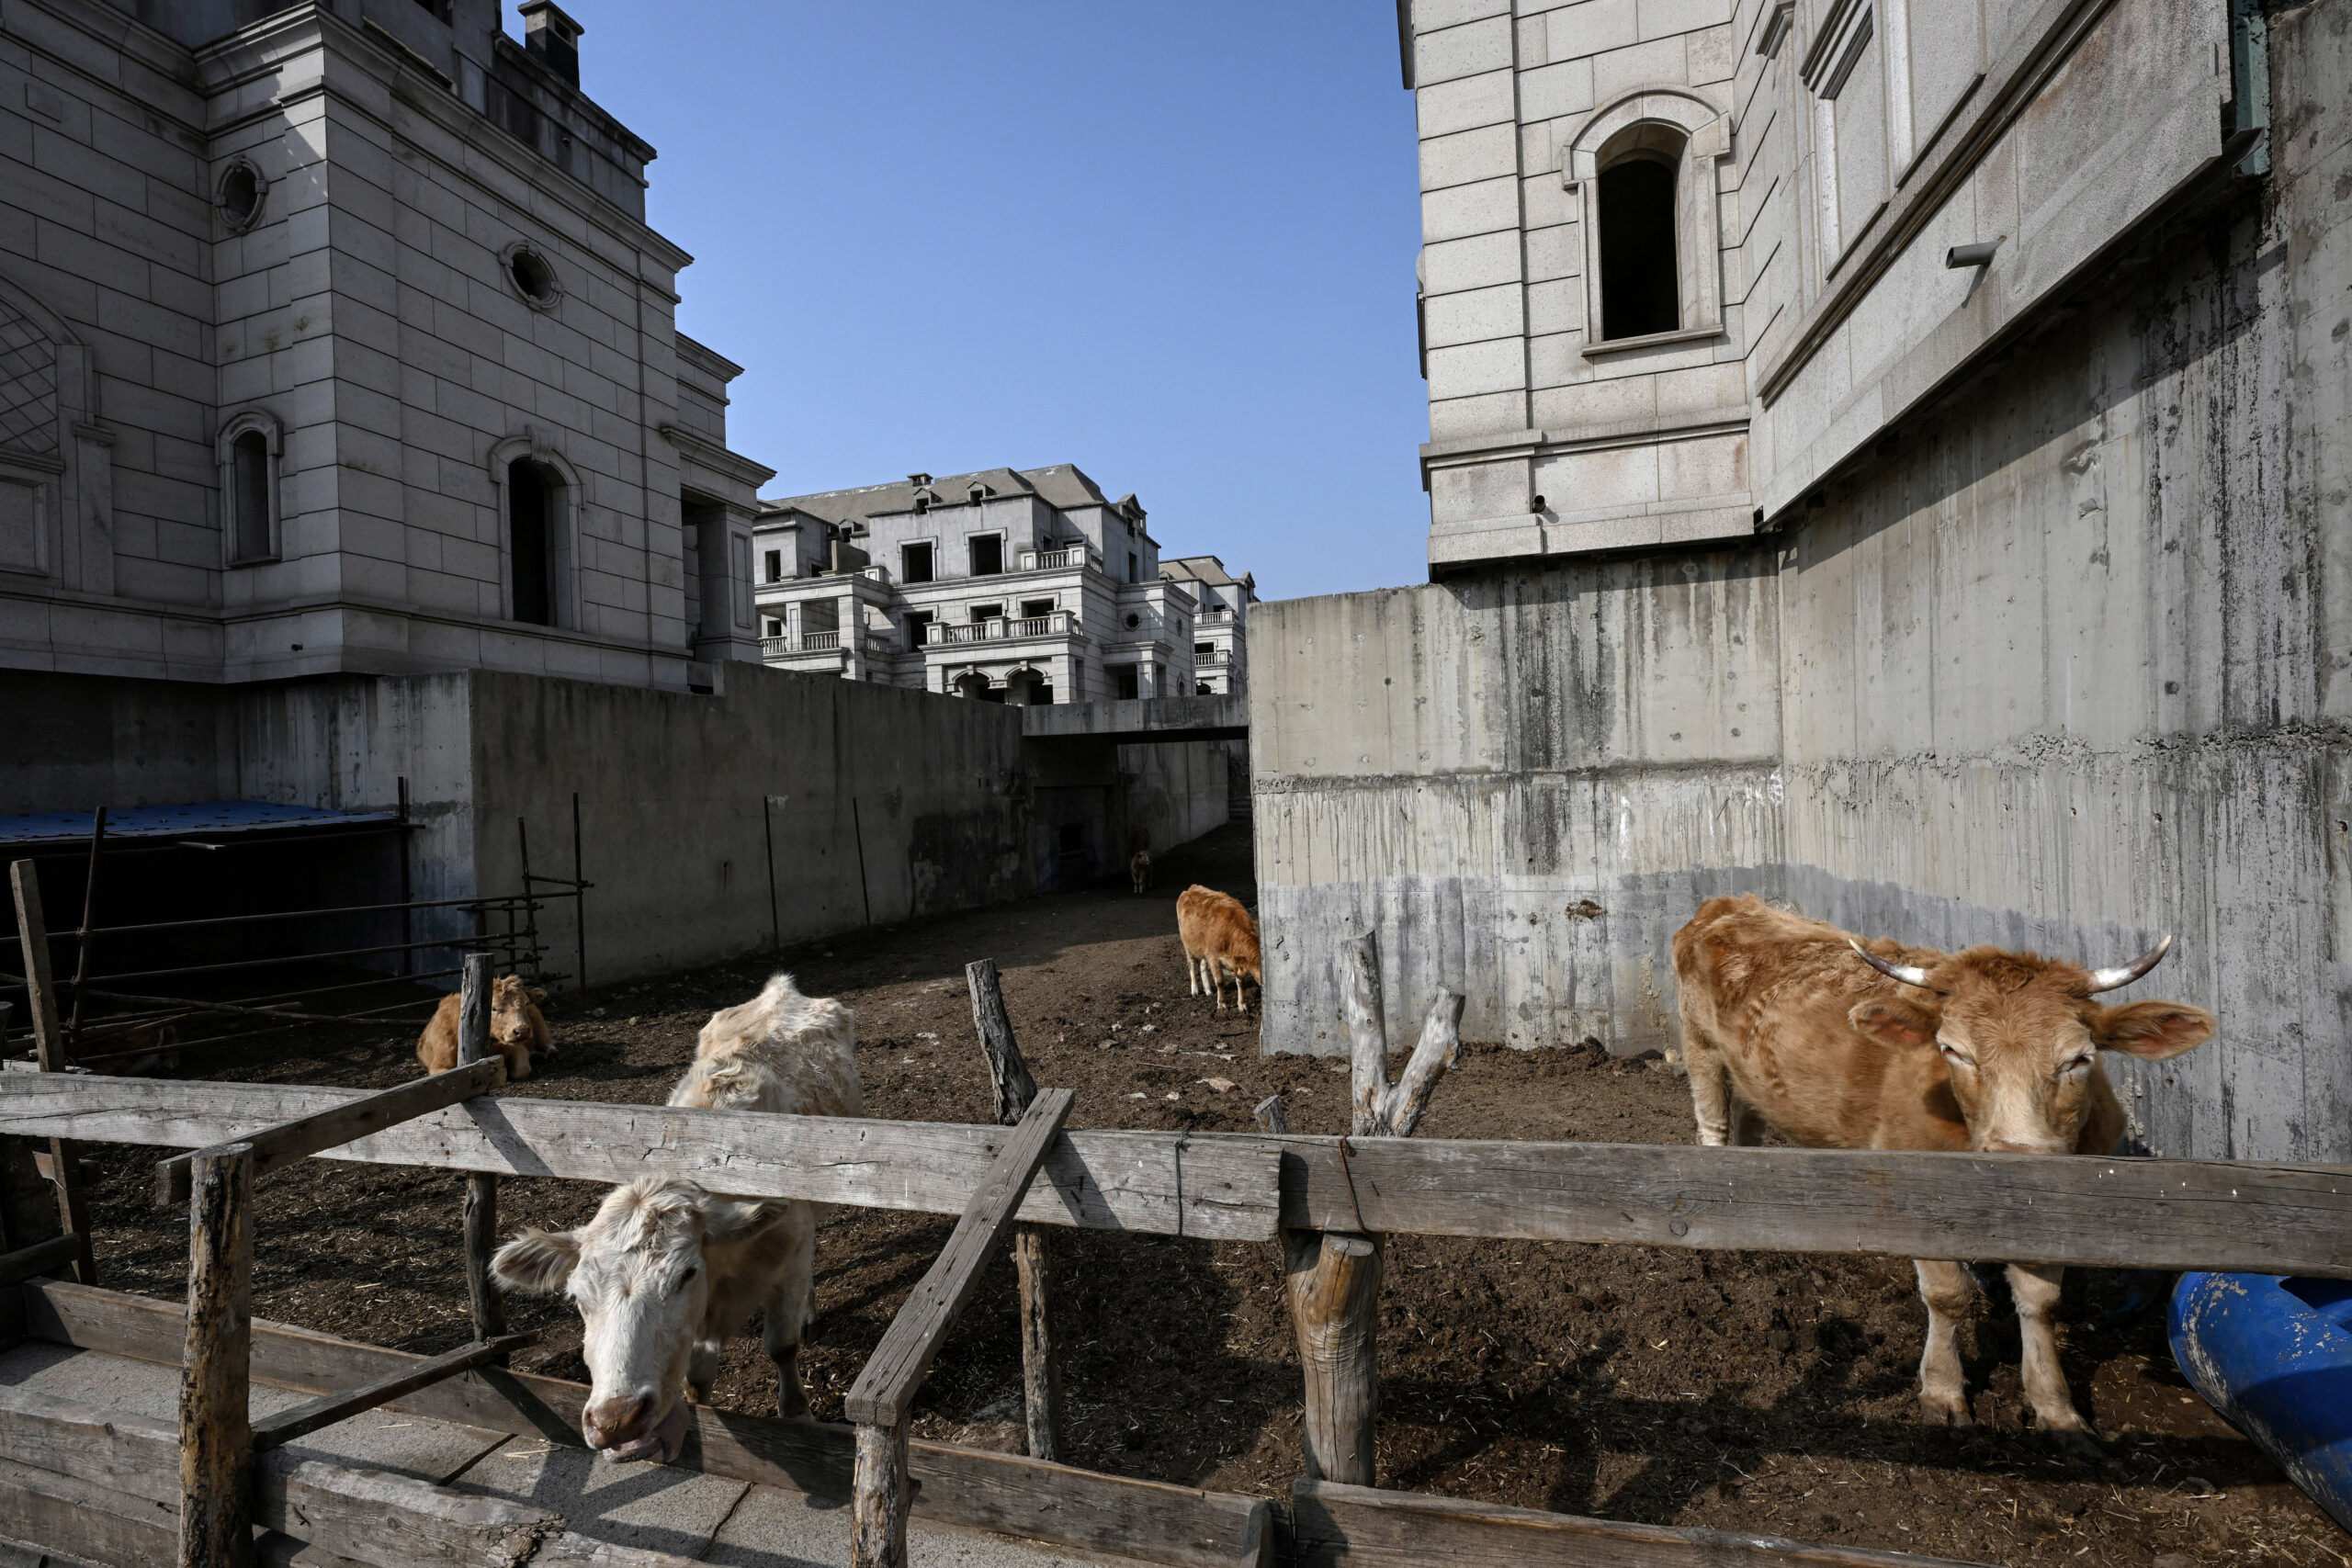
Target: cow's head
(2020, 1036)
(641, 1272)
(510, 1009)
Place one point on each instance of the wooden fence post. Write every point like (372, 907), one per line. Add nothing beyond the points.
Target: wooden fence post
(216, 1443)
(1041, 1384)
(1333, 1277)
(482, 1190)
(49, 1043)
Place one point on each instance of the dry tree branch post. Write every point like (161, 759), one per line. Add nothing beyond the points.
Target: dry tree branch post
(216, 1440)
(481, 1191)
(1041, 1385)
(1333, 1277)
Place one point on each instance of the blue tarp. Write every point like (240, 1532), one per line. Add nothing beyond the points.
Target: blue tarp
(194, 819)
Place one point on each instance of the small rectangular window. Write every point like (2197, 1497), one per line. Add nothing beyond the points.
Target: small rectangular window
(987, 612)
(1033, 608)
(988, 554)
(775, 627)
(1135, 572)
(914, 563)
(1122, 680)
(1202, 650)
(772, 567)
(738, 561)
(250, 499)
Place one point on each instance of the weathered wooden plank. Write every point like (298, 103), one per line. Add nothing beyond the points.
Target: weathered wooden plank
(1362, 1527)
(49, 1050)
(895, 1368)
(40, 1258)
(1041, 1384)
(276, 1430)
(74, 1520)
(480, 1215)
(278, 1147)
(1077, 1509)
(1151, 1182)
(2071, 1209)
(216, 1455)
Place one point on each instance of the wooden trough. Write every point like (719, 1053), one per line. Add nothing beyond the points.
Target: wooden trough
(210, 1484)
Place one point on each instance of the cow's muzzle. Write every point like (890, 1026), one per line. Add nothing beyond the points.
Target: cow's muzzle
(623, 1430)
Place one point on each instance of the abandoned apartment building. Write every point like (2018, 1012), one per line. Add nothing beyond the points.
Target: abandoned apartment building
(356, 480)
(1021, 586)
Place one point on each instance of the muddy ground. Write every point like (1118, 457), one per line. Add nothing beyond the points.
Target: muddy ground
(1750, 1390)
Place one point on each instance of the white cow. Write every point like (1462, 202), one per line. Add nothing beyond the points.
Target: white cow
(666, 1271)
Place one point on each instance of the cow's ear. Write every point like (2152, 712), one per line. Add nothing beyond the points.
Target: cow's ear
(538, 993)
(726, 1223)
(538, 1262)
(1892, 1021)
(2152, 1031)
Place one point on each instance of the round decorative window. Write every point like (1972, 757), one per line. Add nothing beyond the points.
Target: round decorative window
(240, 196)
(1134, 620)
(533, 277)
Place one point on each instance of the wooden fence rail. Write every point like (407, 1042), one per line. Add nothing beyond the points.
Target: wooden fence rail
(2059, 1209)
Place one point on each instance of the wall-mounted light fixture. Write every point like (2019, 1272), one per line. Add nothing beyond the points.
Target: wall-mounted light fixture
(1977, 254)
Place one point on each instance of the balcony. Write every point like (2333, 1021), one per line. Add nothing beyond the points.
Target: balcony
(1061, 623)
(1215, 656)
(1062, 559)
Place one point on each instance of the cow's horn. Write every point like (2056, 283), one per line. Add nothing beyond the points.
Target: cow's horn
(1909, 974)
(2123, 974)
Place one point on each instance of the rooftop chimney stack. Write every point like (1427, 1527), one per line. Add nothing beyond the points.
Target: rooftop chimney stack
(553, 37)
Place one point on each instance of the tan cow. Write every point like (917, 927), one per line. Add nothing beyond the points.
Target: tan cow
(1220, 939)
(1139, 869)
(666, 1272)
(517, 1030)
(1838, 1046)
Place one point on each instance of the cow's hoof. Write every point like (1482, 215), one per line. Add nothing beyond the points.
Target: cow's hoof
(1948, 1410)
(2075, 1442)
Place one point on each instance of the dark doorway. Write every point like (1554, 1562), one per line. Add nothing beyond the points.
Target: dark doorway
(1639, 283)
(529, 499)
(1123, 682)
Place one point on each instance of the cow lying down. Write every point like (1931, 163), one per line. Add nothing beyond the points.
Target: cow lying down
(1840, 1045)
(666, 1272)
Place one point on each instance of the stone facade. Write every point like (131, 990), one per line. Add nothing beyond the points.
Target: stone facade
(1220, 640)
(1002, 585)
(334, 340)
(1685, 260)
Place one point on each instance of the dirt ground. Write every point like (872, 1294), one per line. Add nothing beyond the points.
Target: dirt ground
(1747, 1391)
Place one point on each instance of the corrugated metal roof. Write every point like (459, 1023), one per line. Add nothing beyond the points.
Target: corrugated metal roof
(196, 818)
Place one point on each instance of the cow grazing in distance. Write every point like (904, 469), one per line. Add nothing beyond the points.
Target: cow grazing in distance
(1220, 939)
(517, 1030)
(666, 1272)
(1139, 869)
(1840, 1045)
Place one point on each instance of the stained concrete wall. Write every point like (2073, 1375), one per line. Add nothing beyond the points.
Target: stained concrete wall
(2066, 671)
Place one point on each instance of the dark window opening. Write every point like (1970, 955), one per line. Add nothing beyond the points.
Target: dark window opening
(533, 275)
(914, 563)
(529, 500)
(988, 554)
(251, 456)
(987, 612)
(1041, 694)
(771, 565)
(918, 627)
(241, 194)
(1640, 289)
(1072, 837)
(1124, 678)
(1135, 572)
(1202, 650)
(1031, 609)
(1201, 689)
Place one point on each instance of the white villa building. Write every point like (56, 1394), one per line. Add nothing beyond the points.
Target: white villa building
(1028, 586)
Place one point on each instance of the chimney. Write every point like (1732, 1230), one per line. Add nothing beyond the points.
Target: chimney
(553, 37)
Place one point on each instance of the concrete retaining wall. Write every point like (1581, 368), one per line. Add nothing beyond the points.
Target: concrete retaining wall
(2066, 670)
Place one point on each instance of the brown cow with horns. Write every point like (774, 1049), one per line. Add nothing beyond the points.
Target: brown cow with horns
(1909, 1048)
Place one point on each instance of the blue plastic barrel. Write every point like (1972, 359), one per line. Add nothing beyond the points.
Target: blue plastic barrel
(2275, 1357)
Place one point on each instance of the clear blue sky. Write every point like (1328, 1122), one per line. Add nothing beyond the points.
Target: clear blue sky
(1169, 240)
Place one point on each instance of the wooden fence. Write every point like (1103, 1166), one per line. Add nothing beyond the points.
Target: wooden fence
(1329, 1198)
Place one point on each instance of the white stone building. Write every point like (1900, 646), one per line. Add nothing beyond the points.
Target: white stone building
(1220, 638)
(333, 339)
(1028, 586)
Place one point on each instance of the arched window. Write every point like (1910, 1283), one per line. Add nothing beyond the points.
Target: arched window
(530, 540)
(1640, 285)
(250, 446)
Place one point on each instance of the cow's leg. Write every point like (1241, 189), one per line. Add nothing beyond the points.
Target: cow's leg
(1943, 1389)
(1710, 1091)
(2036, 1292)
(1191, 976)
(1746, 1125)
(786, 1317)
(1215, 968)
